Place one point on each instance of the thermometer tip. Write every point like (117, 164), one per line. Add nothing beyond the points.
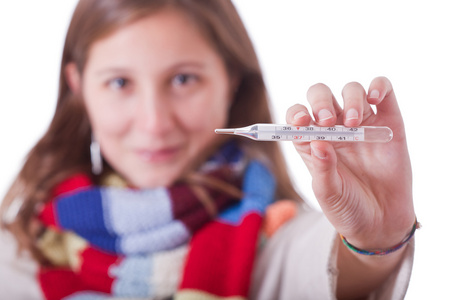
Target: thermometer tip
(224, 131)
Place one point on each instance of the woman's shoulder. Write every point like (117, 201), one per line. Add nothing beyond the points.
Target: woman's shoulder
(17, 271)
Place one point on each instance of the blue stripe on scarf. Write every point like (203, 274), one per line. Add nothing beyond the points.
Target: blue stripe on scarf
(166, 237)
(128, 211)
(80, 213)
(89, 203)
(259, 191)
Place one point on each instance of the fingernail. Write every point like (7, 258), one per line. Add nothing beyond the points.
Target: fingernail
(317, 153)
(324, 114)
(375, 94)
(352, 114)
(299, 115)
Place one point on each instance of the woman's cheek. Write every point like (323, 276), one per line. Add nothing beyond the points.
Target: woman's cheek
(209, 113)
(108, 117)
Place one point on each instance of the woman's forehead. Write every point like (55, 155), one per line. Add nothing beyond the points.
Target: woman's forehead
(165, 36)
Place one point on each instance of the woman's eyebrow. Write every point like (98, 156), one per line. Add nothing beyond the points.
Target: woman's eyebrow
(195, 64)
(109, 70)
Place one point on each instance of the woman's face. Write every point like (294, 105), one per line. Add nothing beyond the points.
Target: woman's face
(155, 90)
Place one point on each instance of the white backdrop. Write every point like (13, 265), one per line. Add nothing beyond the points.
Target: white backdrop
(299, 43)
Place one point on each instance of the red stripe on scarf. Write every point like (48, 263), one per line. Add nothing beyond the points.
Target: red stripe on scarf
(221, 257)
(92, 276)
(59, 283)
(95, 269)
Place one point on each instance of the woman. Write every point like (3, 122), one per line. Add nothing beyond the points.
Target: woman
(131, 194)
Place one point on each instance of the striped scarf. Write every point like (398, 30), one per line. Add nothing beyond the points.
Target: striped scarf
(194, 240)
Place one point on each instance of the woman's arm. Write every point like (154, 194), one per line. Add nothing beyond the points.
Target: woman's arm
(364, 189)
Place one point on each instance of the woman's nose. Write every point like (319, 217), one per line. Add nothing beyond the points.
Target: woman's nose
(154, 113)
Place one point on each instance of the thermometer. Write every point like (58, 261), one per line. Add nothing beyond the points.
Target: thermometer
(278, 132)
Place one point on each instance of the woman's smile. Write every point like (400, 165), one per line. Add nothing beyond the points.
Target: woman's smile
(160, 155)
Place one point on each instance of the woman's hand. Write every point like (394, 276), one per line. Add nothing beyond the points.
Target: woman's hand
(365, 189)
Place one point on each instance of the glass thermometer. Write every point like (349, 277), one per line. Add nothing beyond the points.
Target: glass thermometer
(279, 132)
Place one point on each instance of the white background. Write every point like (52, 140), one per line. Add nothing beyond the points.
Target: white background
(299, 43)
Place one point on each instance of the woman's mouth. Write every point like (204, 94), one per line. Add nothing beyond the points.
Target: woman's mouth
(158, 155)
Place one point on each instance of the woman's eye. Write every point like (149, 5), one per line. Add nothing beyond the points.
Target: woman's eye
(118, 83)
(183, 79)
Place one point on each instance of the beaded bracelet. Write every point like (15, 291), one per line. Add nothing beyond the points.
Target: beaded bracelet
(382, 252)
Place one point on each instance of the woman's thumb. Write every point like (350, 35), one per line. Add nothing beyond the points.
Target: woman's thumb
(326, 182)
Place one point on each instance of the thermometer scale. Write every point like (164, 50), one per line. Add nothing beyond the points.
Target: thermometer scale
(338, 133)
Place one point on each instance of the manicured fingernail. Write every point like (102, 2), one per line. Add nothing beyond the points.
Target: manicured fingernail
(318, 153)
(299, 115)
(375, 94)
(352, 114)
(324, 114)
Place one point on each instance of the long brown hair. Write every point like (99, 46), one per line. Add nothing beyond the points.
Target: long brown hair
(64, 148)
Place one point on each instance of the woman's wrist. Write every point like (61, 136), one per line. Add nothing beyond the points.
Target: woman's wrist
(381, 251)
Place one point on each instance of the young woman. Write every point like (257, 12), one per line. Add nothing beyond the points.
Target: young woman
(131, 194)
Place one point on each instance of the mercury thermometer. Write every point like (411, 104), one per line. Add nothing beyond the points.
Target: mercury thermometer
(279, 132)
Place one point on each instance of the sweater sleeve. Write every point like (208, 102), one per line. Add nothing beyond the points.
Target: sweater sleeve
(17, 272)
(300, 262)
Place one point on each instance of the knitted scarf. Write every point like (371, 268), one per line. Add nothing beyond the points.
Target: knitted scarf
(194, 240)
